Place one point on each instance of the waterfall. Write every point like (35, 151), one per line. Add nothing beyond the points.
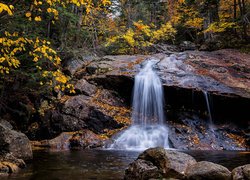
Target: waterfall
(148, 128)
(211, 124)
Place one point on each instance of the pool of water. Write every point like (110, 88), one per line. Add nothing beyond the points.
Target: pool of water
(105, 164)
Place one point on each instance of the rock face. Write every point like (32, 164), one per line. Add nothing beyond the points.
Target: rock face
(191, 133)
(188, 79)
(208, 171)
(159, 163)
(220, 72)
(91, 108)
(78, 113)
(14, 142)
(241, 173)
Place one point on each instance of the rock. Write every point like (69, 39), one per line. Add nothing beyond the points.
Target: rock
(3, 169)
(10, 164)
(12, 168)
(142, 169)
(85, 139)
(207, 171)
(164, 48)
(10, 158)
(190, 132)
(82, 86)
(161, 163)
(72, 66)
(68, 140)
(14, 142)
(241, 173)
(187, 45)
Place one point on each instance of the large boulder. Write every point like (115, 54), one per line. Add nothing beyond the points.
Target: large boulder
(159, 163)
(241, 173)
(207, 171)
(14, 142)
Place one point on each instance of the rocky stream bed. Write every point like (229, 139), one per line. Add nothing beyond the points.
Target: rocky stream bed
(101, 106)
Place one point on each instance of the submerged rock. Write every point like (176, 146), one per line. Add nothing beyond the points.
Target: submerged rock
(159, 163)
(14, 142)
(207, 171)
(241, 173)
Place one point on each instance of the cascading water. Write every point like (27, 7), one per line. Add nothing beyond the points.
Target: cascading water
(148, 128)
(208, 106)
(211, 124)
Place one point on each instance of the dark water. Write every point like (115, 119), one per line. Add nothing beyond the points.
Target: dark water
(105, 164)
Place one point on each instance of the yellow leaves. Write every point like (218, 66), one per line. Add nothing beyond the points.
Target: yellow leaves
(28, 14)
(4, 7)
(37, 50)
(218, 27)
(165, 32)
(196, 23)
(129, 37)
(145, 29)
(54, 12)
(142, 36)
(38, 18)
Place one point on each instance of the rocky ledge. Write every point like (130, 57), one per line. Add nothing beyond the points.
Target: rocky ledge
(158, 163)
(191, 81)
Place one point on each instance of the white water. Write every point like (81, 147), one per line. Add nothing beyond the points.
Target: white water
(148, 128)
(211, 123)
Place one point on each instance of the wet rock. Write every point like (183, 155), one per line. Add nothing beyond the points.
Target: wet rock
(3, 169)
(85, 139)
(161, 162)
(84, 87)
(190, 132)
(142, 169)
(14, 142)
(10, 164)
(208, 171)
(241, 173)
(12, 159)
(68, 140)
(12, 168)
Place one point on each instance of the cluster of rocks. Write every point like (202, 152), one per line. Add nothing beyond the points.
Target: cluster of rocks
(15, 148)
(158, 163)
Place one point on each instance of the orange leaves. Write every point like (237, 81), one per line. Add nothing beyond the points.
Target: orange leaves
(120, 114)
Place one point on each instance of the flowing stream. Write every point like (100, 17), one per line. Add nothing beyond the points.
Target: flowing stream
(148, 128)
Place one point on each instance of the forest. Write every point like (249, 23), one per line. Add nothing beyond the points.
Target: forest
(89, 88)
